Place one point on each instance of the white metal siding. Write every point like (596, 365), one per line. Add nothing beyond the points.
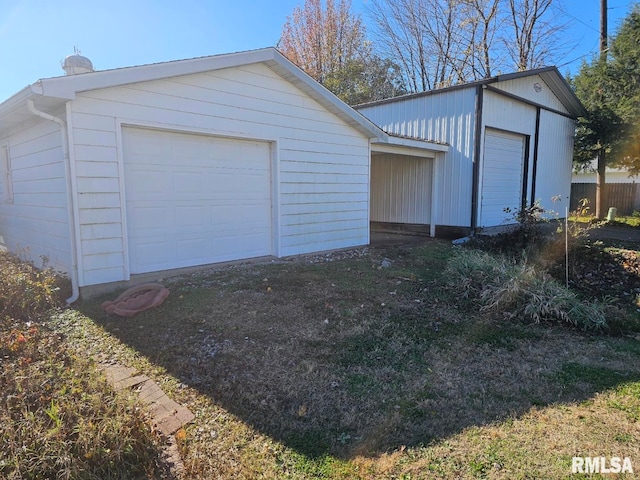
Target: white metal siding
(36, 223)
(194, 199)
(446, 117)
(532, 88)
(507, 114)
(502, 177)
(322, 170)
(401, 189)
(555, 156)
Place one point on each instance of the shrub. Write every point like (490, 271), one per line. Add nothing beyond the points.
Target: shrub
(519, 290)
(26, 292)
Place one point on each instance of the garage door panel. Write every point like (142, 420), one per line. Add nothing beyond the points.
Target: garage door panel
(148, 182)
(191, 216)
(147, 217)
(195, 200)
(503, 163)
(147, 253)
(188, 183)
(185, 248)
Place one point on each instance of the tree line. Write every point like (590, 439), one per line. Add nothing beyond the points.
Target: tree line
(419, 45)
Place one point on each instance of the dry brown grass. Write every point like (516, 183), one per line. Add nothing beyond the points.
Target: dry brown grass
(58, 416)
(343, 369)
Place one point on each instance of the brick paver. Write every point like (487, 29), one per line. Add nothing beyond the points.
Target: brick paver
(168, 416)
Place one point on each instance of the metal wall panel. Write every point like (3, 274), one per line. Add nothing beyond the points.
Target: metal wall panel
(449, 117)
(446, 117)
(532, 88)
(554, 161)
(401, 189)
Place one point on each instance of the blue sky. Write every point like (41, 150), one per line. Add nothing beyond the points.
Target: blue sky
(36, 35)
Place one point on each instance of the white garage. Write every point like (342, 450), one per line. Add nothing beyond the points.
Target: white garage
(502, 176)
(126, 175)
(195, 199)
(511, 146)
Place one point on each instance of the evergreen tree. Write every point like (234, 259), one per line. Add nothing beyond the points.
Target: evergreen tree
(624, 71)
(609, 88)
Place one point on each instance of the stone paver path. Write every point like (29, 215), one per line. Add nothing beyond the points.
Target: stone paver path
(168, 416)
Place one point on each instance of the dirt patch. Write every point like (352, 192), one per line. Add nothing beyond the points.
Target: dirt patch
(609, 232)
(597, 270)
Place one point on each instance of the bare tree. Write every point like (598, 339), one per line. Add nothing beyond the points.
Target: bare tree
(531, 36)
(484, 27)
(328, 41)
(440, 42)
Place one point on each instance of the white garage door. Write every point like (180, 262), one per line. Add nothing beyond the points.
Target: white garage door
(194, 199)
(501, 176)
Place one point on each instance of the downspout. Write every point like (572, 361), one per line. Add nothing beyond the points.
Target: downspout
(75, 289)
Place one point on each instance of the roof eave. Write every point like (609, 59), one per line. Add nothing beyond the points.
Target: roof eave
(67, 87)
(17, 100)
(408, 146)
(550, 75)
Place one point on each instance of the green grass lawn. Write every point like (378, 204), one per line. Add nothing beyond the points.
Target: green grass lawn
(621, 221)
(344, 369)
(320, 367)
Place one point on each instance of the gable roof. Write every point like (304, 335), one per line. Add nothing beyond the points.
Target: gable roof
(52, 93)
(550, 75)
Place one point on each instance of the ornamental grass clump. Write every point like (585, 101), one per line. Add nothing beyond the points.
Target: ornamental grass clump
(519, 290)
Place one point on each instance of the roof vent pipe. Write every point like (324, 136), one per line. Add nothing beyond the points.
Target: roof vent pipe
(76, 64)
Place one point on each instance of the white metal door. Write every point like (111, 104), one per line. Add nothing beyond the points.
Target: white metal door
(503, 163)
(195, 199)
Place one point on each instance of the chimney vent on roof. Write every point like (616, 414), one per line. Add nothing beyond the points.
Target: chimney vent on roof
(76, 63)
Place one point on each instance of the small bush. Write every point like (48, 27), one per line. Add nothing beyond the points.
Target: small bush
(520, 291)
(26, 292)
(537, 235)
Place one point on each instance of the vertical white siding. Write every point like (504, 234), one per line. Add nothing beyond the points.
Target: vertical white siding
(449, 116)
(555, 157)
(36, 223)
(401, 189)
(510, 115)
(446, 117)
(322, 163)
